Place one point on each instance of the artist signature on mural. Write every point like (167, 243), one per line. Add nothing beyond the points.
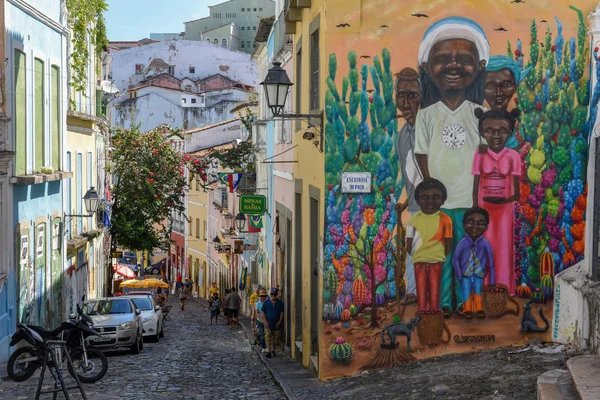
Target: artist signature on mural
(474, 338)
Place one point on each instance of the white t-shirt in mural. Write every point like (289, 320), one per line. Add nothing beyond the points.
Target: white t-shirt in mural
(450, 140)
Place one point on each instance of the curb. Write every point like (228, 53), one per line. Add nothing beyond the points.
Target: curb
(287, 390)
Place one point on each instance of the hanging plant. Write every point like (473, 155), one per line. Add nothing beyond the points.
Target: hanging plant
(86, 20)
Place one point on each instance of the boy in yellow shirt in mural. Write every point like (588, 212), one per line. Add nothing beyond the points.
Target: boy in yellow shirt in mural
(429, 240)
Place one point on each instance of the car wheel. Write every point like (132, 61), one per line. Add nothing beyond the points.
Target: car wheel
(156, 337)
(137, 346)
(162, 331)
(141, 342)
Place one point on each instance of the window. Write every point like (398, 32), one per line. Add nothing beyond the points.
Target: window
(248, 28)
(198, 228)
(171, 70)
(20, 108)
(55, 113)
(79, 191)
(242, 45)
(89, 182)
(193, 101)
(242, 9)
(243, 28)
(197, 184)
(68, 168)
(205, 230)
(208, 39)
(39, 120)
(314, 70)
(192, 70)
(224, 42)
(183, 100)
(138, 69)
(188, 88)
(253, 28)
(216, 41)
(260, 9)
(254, 9)
(298, 104)
(190, 223)
(248, 43)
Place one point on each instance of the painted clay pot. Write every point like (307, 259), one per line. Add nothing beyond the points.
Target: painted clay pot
(496, 299)
(431, 329)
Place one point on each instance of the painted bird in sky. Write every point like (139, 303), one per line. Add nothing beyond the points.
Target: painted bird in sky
(384, 26)
(501, 29)
(542, 21)
(517, 1)
(419, 15)
(342, 25)
(365, 56)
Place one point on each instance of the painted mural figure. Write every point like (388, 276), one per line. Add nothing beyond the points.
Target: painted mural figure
(408, 101)
(429, 240)
(496, 188)
(473, 260)
(452, 60)
(502, 78)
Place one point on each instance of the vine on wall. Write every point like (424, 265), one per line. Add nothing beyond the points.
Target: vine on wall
(86, 20)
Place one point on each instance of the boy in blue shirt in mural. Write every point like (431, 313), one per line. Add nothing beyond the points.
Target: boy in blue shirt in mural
(474, 259)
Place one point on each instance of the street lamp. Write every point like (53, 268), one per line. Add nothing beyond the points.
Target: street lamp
(91, 201)
(277, 85)
(216, 241)
(240, 221)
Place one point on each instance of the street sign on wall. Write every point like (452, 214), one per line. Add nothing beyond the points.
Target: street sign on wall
(253, 204)
(356, 182)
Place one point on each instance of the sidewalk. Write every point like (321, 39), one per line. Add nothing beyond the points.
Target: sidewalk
(293, 378)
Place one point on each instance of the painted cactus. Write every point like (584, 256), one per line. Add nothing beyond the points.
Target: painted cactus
(341, 351)
(554, 100)
(360, 136)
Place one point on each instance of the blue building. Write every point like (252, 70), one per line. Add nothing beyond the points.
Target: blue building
(36, 49)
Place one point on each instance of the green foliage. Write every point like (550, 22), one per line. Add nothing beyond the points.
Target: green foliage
(149, 186)
(86, 20)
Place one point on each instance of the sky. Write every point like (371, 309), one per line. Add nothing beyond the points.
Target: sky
(135, 19)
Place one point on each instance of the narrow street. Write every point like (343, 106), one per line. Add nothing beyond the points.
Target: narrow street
(193, 361)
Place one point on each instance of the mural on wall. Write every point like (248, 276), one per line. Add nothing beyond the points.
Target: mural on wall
(40, 275)
(25, 310)
(57, 275)
(456, 178)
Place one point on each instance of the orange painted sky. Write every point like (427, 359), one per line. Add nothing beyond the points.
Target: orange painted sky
(404, 34)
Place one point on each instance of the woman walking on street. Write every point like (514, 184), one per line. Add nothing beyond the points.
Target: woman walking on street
(182, 297)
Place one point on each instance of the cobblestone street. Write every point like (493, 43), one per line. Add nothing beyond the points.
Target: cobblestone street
(195, 360)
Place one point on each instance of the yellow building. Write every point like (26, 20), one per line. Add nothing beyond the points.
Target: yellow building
(306, 20)
(197, 252)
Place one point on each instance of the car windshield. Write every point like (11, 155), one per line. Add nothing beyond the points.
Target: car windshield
(104, 307)
(144, 304)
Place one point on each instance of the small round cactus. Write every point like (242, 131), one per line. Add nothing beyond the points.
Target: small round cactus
(353, 310)
(341, 351)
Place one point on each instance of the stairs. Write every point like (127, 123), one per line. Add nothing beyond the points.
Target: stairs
(578, 382)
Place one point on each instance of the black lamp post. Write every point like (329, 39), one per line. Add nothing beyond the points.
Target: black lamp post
(240, 221)
(91, 201)
(277, 85)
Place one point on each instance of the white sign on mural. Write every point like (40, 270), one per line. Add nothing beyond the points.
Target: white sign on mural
(40, 239)
(24, 249)
(356, 182)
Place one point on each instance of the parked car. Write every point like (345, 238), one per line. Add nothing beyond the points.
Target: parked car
(119, 323)
(154, 269)
(152, 316)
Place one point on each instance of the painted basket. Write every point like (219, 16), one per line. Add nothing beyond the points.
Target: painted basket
(431, 328)
(496, 299)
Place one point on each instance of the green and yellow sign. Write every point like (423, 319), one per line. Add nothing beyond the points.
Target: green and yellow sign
(253, 204)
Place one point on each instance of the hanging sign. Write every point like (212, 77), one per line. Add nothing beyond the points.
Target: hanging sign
(356, 182)
(253, 204)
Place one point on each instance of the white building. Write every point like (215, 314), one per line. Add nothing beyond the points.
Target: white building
(169, 82)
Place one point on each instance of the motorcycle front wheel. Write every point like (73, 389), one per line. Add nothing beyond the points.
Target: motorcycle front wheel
(96, 367)
(22, 364)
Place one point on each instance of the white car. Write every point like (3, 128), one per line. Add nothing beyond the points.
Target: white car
(152, 316)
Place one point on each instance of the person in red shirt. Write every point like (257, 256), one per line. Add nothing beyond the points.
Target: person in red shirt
(178, 280)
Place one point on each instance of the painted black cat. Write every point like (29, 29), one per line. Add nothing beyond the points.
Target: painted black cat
(399, 329)
(528, 321)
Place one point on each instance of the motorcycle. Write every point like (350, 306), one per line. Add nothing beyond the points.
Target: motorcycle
(89, 363)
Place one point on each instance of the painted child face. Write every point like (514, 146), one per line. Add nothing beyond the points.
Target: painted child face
(499, 88)
(496, 132)
(408, 100)
(475, 226)
(454, 64)
(430, 200)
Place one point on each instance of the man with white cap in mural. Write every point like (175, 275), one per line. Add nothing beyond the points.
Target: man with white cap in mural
(452, 60)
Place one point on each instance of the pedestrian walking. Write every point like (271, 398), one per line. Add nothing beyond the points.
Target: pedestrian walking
(253, 299)
(226, 306)
(188, 287)
(182, 297)
(258, 315)
(178, 281)
(214, 305)
(272, 311)
(235, 301)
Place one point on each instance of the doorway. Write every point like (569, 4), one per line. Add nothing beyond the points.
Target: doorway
(314, 274)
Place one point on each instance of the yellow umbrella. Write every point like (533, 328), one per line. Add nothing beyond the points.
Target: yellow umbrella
(153, 282)
(131, 283)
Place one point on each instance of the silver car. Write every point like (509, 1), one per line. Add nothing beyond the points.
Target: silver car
(118, 321)
(152, 316)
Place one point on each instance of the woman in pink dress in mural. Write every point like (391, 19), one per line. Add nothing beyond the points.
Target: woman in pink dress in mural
(496, 188)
